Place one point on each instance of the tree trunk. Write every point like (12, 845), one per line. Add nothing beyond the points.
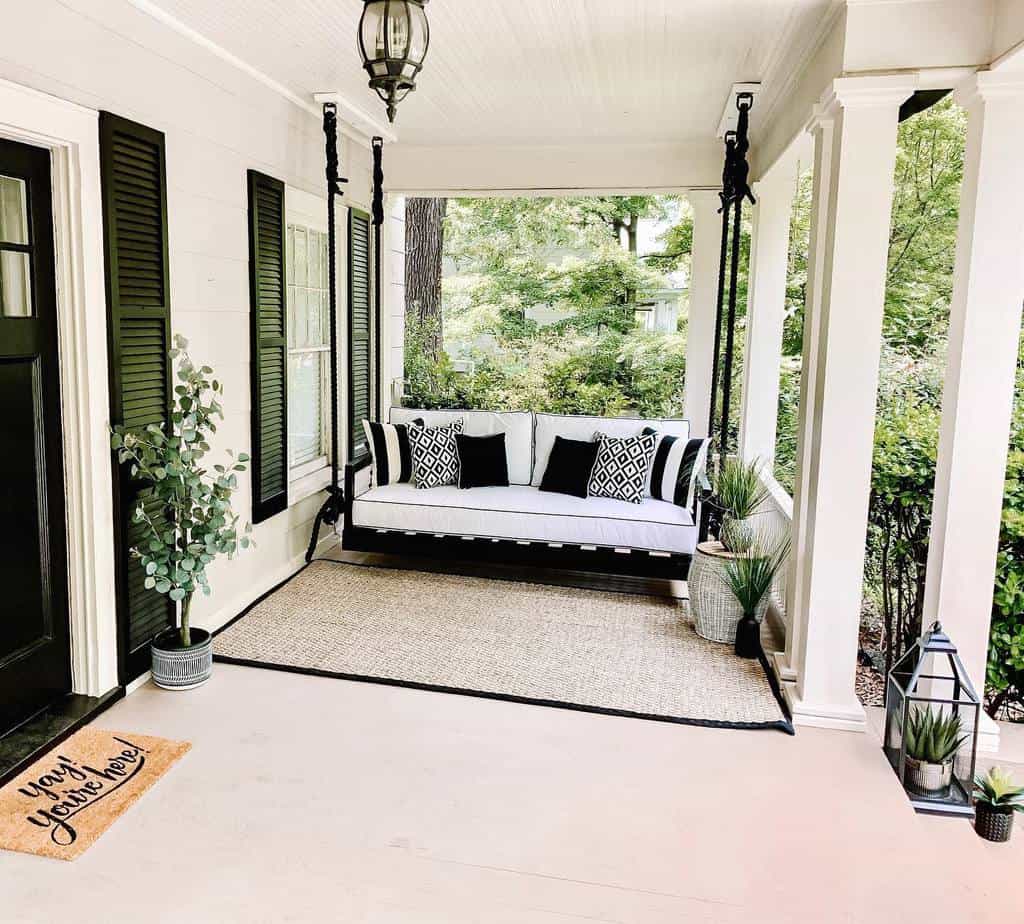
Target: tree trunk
(424, 245)
(186, 632)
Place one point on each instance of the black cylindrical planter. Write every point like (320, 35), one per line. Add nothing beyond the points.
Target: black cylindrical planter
(748, 636)
(994, 823)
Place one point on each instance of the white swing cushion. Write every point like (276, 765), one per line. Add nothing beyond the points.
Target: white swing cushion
(523, 512)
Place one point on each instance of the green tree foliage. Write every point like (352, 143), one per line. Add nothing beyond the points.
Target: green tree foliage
(576, 258)
(922, 241)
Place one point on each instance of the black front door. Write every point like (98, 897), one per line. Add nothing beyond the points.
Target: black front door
(35, 651)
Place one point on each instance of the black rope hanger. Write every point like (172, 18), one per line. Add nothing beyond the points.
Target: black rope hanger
(333, 506)
(377, 147)
(330, 511)
(735, 190)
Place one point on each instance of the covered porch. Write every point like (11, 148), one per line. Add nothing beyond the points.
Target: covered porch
(325, 796)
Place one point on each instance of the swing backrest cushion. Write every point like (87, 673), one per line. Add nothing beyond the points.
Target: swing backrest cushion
(516, 425)
(583, 428)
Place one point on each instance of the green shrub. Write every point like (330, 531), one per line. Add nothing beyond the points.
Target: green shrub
(899, 512)
(1006, 642)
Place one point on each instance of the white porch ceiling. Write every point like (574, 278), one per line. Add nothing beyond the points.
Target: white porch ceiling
(532, 71)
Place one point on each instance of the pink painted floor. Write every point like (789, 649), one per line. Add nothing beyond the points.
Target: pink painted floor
(308, 799)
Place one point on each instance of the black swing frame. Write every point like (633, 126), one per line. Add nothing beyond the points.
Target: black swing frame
(338, 504)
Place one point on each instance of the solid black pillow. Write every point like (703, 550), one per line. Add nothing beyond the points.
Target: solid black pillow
(569, 467)
(483, 462)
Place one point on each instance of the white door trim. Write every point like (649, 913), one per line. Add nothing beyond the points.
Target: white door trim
(71, 133)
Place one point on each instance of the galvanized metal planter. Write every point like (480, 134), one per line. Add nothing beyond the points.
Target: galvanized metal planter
(178, 668)
(929, 779)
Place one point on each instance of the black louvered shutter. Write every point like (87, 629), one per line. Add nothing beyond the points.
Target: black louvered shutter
(358, 331)
(139, 326)
(269, 344)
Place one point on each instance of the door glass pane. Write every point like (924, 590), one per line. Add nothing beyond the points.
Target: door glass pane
(305, 413)
(13, 211)
(15, 285)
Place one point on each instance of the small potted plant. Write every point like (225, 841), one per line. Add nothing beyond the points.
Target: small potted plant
(739, 494)
(932, 740)
(996, 798)
(195, 524)
(750, 577)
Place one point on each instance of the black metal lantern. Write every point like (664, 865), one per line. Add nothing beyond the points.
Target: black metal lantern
(393, 39)
(931, 726)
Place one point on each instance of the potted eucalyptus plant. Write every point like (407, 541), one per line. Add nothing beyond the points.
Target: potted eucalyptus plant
(195, 524)
(750, 576)
(739, 494)
(996, 798)
(932, 740)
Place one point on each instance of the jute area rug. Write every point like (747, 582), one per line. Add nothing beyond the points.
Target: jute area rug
(67, 799)
(614, 653)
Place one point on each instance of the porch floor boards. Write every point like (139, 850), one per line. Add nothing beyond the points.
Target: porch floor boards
(317, 799)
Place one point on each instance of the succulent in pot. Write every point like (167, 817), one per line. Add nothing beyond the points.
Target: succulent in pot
(932, 741)
(996, 798)
(750, 577)
(184, 509)
(739, 494)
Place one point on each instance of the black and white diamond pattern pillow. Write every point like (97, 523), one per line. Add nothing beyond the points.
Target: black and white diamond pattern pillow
(435, 455)
(622, 465)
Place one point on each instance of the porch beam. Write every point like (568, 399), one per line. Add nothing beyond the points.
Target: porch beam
(855, 128)
(703, 298)
(766, 312)
(977, 400)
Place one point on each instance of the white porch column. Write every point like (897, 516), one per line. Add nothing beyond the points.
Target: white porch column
(766, 311)
(977, 400)
(855, 154)
(700, 325)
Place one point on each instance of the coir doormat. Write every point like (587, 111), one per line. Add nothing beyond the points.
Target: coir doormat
(67, 799)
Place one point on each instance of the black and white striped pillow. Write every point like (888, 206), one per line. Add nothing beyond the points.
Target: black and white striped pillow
(676, 467)
(391, 451)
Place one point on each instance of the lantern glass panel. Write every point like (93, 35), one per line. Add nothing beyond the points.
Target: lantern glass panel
(371, 30)
(419, 33)
(397, 30)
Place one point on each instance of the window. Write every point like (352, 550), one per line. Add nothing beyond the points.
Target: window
(308, 351)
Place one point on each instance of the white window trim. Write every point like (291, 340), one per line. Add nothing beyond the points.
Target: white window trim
(310, 211)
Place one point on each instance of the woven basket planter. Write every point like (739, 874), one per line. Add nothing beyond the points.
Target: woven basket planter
(714, 608)
(993, 824)
(178, 668)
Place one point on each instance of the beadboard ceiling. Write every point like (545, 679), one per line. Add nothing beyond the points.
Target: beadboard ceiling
(532, 71)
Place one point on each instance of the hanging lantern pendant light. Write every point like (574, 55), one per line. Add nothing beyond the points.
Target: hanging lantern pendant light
(393, 39)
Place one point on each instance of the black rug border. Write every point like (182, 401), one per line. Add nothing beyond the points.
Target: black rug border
(784, 725)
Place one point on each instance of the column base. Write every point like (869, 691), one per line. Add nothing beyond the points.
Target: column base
(783, 669)
(988, 734)
(845, 716)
